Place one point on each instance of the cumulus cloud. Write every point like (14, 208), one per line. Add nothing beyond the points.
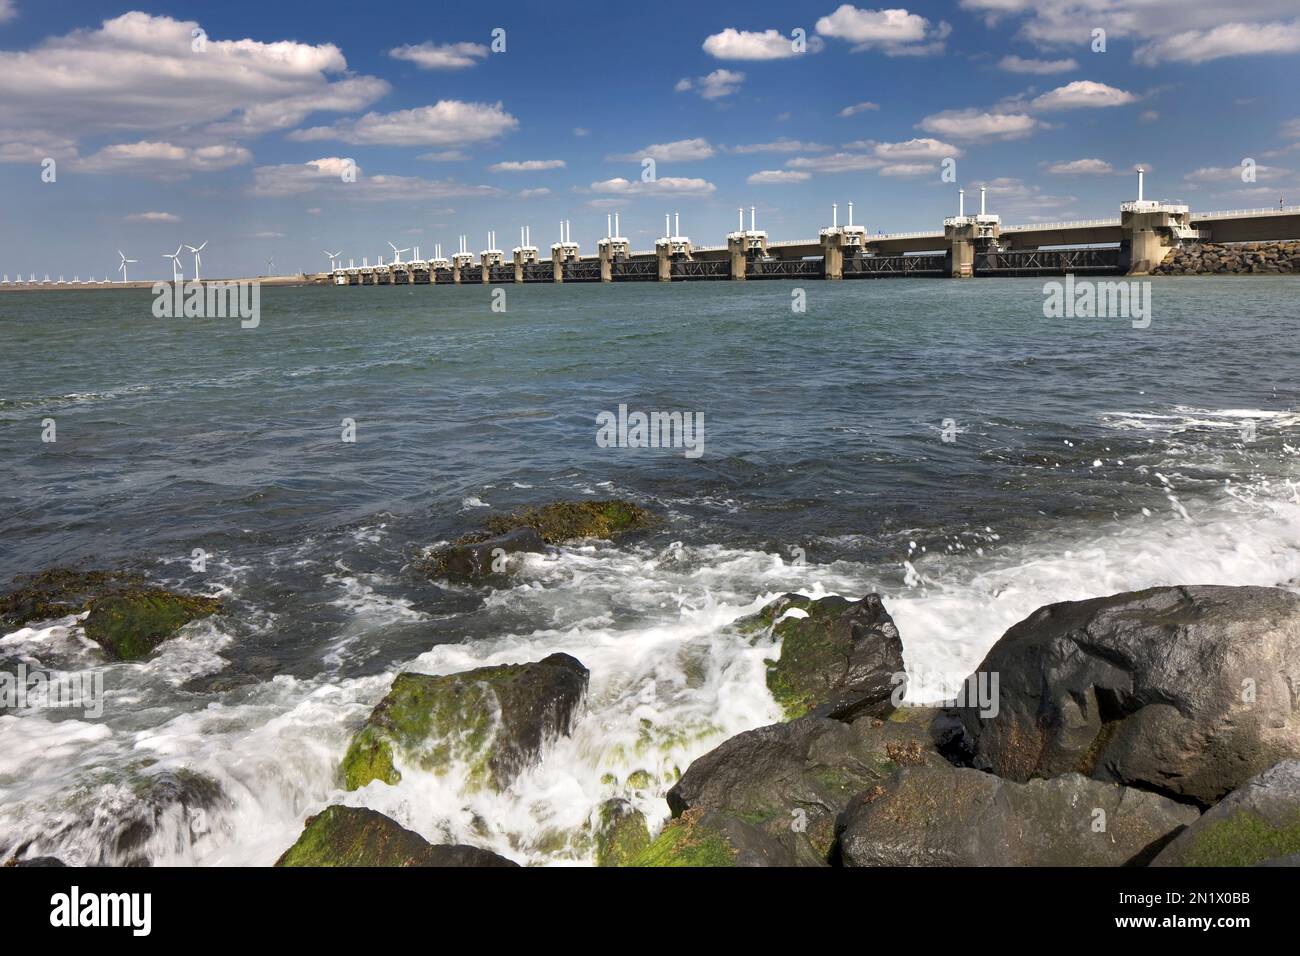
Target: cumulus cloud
(162, 160)
(34, 145)
(857, 108)
(908, 170)
(663, 186)
(836, 163)
(733, 44)
(331, 174)
(140, 72)
(1017, 64)
(780, 146)
(1080, 94)
(714, 85)
(445, 123)
(678, 151)
(1081, 167)
(445, 56)
(1232, 174)
(167, 217)
(776, 177)
(921, 148)
(895, 32)
(526, 166)
(979, 125)
(1228, 39)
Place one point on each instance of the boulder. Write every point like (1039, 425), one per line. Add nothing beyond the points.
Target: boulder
(358, 836)
(38, 861)
(493, 721)
(1256, 824)
(956, 816)
(621, 833)
(839, 658)
(572, 520)
(711, 838)
(468, 560)
(1187, 691)
(793, 780)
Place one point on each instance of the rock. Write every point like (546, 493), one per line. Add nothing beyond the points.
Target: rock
(1256, 824)
(1186, 691)
(839, 658)
(710, 838)
(474, 560)
(792, 780)
(571, 520)
(492, 720)
(621, 833)
(130, 625)
(358, 836)
(956, 816)
(41, 861)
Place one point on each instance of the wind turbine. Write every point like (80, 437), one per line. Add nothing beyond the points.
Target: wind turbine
(122, 267)
(333, 256)
(197, 258)
(397, 254)
(178, 273)
(270, 266)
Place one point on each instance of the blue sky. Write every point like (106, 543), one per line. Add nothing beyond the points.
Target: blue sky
(240, 143)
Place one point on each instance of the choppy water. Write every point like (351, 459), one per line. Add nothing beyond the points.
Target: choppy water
(1089, 457)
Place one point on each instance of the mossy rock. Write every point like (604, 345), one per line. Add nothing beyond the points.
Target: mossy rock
(491, 721)
(572, 520)
(130, 625)
(475, 559)
(358, 836)
(58, 592)
(621, 833)
(839, 658)
(707, 838)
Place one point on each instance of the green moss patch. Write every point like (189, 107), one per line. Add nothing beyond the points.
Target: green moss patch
(1243, 839)
(684, 842)
(129, 626)
(571, 520)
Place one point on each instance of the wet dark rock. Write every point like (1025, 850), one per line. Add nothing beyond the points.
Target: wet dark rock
(839, 658)
(710, 838)
(358, 836)
(476, 560)
(955, 816)
(493, 721)
(1257, 824)
(1186, 691)
(563, 521)
(40, 861)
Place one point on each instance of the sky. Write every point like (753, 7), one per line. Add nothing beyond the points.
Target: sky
(240, 124)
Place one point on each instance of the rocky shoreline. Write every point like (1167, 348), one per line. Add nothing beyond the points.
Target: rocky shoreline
(1150, 728)
(1281, 257)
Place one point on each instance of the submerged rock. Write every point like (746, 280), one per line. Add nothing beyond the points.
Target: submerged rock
(1256, 824)
(710, 838)
(492, 720)
(1187, 691)
(469, 560)
(954, 816)
(839, 658)
(793, 780)
(127, 617)
(571, 520)
(621, 833)
(358, 836)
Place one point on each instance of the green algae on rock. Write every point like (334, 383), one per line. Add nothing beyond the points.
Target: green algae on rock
(130, 625)
(710, 838)
(839, 658)
(358, 836)
(492, 721)
(572, 520)
(58, 592)
(621, 833)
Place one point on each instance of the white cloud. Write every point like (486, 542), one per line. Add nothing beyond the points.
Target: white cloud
(922, 148)
(34, 145)
(1148, 116)
(445, 156)
(526, 166)
(733, 44)
(7, 10)
(446, 56)
(979, 125)
(1082, 93)
(152, 217)
(581, 131)
(1232, 174)
(836, 163)
(328, 173)
(1015, 199)
(780, 146)
(1081, 167)
(139, 72)
(162, 160)
(774, 177)
(908, 170)
(857, 108)
(678, 151)
(446, 123)
(533, 193)
(714, 85)
(663, 186)
(896, 32)
(1017, 64)
(1228, 39)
